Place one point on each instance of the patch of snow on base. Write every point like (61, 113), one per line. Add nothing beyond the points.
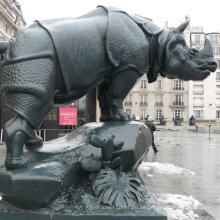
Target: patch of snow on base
(0, 198)
(150, 175)
(179, 207)
(164, 168)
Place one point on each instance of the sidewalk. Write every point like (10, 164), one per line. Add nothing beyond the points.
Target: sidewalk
(195, 153)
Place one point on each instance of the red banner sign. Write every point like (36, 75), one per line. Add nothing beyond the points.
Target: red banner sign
(68, 116)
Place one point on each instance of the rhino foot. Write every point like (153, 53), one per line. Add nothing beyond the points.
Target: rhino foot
(34, 142)
(118, 114)
(16, 163)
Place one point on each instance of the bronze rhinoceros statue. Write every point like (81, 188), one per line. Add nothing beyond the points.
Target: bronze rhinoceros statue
(58, 60)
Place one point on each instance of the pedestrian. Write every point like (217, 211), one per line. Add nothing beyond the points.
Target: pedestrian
(197, 127)
(152, 127)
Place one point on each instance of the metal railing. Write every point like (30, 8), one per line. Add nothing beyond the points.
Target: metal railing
(128, 103)
(178, 103)
(158, 103)
(178, 88)
(160, 136)
(143, 103)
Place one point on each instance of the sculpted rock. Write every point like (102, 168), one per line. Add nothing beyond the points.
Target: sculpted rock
(59, 60)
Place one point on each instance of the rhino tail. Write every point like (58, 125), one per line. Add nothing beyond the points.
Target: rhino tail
(4, 45)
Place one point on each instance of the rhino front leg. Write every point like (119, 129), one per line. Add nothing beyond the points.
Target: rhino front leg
(119, 88)
(17, 131)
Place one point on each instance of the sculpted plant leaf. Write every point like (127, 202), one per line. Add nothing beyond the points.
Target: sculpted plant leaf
(123, 191)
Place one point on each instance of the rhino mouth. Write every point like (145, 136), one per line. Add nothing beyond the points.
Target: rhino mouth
(207, 68)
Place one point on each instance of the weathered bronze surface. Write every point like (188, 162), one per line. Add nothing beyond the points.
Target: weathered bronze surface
(58, 60)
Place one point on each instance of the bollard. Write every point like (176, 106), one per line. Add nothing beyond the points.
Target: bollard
(178, 137)
(1, 136)
(44, 135)
(168, 136)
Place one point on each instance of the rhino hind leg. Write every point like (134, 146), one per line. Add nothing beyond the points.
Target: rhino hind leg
(103, 102)
(17, 131)
(35, 141)
(119, 88)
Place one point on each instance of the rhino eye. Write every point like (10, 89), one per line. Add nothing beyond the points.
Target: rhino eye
(193, 52)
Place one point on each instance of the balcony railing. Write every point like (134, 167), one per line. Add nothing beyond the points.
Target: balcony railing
(128, 103)
(217, 78)
(178, 88)
(178, 103)
(198, 92)
(143, 103)
(215, 42)
(218, 105)
(201, 42)
(158, 103)
(198, 104)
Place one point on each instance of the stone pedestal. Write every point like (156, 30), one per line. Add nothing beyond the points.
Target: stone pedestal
(54, 171)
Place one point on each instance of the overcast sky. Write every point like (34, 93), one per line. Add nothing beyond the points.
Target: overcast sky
(202, 13)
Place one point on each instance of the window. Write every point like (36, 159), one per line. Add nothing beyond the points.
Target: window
(159, 99)
(197, 39)
(218, 89)
(198, 101)
(198, 113)
(218, 114)
(143, 114)
(143, 99)
(217, 102)
(198, 89)
(218, 63)
(158, 114)
(128, 111)
(217, 51)
(143, 84)
(178, 85)
(198, 48)
(214, 39)
(128, 100)
(213, 48)
(178, 100)
(177, 113)
(159, 84)
(218, 76)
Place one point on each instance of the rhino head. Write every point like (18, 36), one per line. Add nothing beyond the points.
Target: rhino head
(184, 62)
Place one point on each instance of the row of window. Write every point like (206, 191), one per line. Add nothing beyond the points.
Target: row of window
(178, 99)
(143, 113)
(199, 39)
(199, 101)
(176, 112)
(199, 114)
(178, 84)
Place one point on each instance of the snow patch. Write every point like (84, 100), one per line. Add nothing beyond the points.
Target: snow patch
(179, 207)
(0, 198)
(150, 175)
(164, 168)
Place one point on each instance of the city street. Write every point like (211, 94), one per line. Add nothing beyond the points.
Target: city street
(196, 154)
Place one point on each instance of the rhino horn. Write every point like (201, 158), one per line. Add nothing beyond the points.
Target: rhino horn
(3, 46)
(181, 28)
(207, 50)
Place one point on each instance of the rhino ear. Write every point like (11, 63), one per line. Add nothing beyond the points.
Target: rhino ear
(181, 28)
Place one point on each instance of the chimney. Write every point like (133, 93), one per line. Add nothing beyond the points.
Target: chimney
(186, 18)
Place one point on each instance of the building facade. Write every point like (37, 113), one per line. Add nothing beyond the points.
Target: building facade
(11, 18)
(164, 97)
(204, 96)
